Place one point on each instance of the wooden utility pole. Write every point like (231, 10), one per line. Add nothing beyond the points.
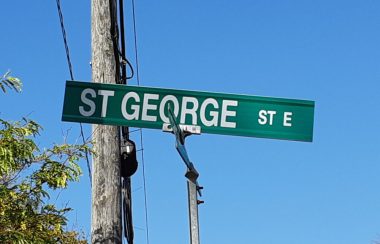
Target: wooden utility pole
(106, 225)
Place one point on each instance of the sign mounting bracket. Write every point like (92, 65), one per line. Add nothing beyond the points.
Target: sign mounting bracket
(181, 132)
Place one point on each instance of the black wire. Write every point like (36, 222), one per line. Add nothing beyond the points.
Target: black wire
(131, 68)
(127, 209)
(72, 78)
(135, 42)
(120, 59)
(122, 79)
(86, 154)
(115, 38)
(126, 61)
(141, 133)
(122, 35)
(65, 39)
(122, 52)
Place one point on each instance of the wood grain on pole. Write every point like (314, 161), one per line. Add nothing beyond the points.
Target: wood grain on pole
(106, 224)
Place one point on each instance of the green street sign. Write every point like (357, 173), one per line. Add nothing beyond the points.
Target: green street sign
(215, 113)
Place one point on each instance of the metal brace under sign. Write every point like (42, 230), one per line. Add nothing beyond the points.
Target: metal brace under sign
(180, 132)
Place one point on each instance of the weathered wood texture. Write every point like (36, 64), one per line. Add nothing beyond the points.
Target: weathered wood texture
(106, 224)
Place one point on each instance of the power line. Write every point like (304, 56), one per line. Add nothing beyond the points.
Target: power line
(72, 78)
(141, 132)
(135, 43)
(124, 61)
(124, 77)
(65, 39)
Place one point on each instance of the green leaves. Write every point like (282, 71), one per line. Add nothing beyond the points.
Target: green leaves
(10, 82)
(26, 175)
(17, 148)
(24, 215)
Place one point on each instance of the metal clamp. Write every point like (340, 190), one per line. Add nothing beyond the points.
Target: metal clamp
(187, 129)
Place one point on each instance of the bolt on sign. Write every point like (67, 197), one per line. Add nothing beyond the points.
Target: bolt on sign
(215, 113)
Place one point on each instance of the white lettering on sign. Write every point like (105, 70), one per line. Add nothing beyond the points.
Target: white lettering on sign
(147, 106)
(135, 108)
(263, 119)
(166, 99)
(226, 113)
(288, 119)
(150, 106)
(191, 111)
(213, 114)
(267, 117)
(105, 94)
(88, 102)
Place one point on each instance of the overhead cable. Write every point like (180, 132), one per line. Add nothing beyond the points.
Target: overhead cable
(72, 78)
(141, 132)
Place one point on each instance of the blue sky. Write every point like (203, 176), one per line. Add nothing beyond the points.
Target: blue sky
(256, 190)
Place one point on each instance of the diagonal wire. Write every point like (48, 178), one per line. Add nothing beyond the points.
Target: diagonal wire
(64, 38)
(141, 132)
(72, 78)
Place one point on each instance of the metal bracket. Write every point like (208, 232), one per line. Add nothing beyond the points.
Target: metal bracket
(180, 132)
(187, 129)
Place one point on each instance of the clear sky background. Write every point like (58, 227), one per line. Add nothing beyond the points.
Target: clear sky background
(256, 190)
